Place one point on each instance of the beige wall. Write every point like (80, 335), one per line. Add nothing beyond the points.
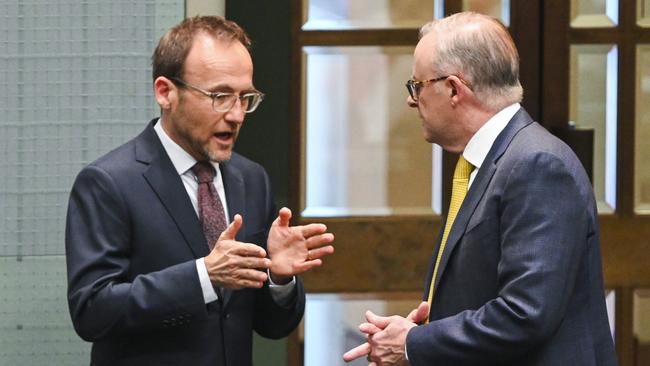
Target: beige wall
(205, 7)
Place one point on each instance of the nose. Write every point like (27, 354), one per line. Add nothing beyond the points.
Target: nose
(236, 113)
(411, 103)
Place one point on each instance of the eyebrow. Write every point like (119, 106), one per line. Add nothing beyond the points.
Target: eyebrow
(225, 88)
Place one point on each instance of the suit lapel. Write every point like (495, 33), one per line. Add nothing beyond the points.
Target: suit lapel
(233, 184)
(163, 179)
(481, 181)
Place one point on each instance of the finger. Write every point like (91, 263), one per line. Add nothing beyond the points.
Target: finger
(254, 263)
(320, 240)
(251, 275)
(412, 315)
(320, 252)
(244, 279)
(369, 328)
(357, 352)
(231, 231)
(420, 314)
(237, 285)
(248, 250)
(312, 229)
(380, 321)
(306, 265)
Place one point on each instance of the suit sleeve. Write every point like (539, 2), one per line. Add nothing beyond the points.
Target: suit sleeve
(543, 227)
(104, 301)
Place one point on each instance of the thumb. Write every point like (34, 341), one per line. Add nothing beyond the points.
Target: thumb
(379, 321)
(284, 216)
(420, 314)
(231, 231)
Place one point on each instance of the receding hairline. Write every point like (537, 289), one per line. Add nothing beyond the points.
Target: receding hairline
(465, 22)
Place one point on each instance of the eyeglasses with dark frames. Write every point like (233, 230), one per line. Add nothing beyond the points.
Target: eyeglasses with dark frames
(414, 86)
(223, 102)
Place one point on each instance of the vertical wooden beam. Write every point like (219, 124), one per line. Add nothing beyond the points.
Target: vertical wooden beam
(526, 30)
(626, 109)
(296, 155)
(624, 332)
(295, 349)
(555, 68)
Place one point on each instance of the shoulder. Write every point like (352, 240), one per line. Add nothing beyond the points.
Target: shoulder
(534, 143)
(536, 154)
(245, 165)
(120, 163)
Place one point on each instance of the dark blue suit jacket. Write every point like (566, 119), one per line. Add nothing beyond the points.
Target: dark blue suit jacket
(520, 280)
(132, 238)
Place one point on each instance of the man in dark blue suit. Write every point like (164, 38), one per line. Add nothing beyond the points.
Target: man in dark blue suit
(146, 283)
(515, 278)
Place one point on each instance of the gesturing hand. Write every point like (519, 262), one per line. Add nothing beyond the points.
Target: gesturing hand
(296, 249)
(235, 265)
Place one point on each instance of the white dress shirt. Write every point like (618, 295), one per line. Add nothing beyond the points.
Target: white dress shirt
(480, 144)
(183, 163)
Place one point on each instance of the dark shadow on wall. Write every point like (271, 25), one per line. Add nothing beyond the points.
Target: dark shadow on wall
(265, 134)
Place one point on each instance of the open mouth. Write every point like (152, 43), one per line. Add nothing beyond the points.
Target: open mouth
(224, 136)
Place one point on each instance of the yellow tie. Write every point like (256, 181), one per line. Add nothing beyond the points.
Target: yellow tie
(458, 192)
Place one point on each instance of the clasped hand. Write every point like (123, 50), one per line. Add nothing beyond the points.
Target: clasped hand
(291, 250)
(387, 337)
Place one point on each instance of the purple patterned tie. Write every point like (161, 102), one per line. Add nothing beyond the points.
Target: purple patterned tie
(211, 212)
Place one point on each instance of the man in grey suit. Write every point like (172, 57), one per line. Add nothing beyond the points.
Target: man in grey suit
(515, 278)
(175, 251)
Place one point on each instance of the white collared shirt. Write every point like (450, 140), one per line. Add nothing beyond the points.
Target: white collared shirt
(480, 144)
(183, 163)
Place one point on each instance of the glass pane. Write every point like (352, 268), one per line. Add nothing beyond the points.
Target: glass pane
(592, 105)
(367, 14)
(610, 302)
(642, 131)
(332, 320)
(643, 13)
(594, 13)
(365, 154)
(75, 81)
(641, 326)
(499, 9)
(34, 324)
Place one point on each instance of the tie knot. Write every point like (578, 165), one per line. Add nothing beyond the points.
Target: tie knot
(463, 169)
(204, 171)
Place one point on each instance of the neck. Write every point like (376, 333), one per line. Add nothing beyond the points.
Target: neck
(471, 119)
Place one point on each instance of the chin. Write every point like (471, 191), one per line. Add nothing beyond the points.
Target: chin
(219, 156)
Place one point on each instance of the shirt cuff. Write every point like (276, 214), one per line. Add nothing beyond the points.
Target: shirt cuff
(209, 294)
(406, 352)
(281, 294)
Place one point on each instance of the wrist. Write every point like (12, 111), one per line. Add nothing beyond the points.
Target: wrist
(279, 280)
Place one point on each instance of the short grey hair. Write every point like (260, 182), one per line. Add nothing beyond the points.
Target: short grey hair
(480, 50)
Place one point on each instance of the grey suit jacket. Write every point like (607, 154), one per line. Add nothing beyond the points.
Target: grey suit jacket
(520, 279)
(132, 238)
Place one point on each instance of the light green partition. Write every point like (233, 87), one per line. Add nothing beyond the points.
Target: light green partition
(75, 82)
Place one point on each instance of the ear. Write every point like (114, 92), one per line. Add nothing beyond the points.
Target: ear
(165, 92)
(459, 90)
